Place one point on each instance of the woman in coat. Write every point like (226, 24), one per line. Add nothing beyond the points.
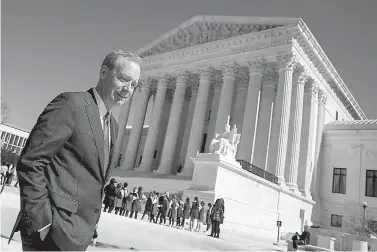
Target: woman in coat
(124, 202)
(119, 194)
(194, 214)
(217, 215)
(154, 208)
(186, 211)
(136, 204)
(129, 201)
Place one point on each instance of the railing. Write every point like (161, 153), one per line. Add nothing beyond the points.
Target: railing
(258, 171)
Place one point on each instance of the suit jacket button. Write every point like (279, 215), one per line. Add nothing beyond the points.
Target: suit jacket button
(96, 210)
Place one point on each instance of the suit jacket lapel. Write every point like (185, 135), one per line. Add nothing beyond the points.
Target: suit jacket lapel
(95, 124)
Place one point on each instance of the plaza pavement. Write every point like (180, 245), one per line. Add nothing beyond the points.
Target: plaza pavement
(121, 233)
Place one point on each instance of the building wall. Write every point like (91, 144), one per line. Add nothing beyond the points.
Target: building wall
(13, 138)
(355, 150)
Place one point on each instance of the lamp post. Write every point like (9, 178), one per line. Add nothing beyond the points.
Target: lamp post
(365, 205)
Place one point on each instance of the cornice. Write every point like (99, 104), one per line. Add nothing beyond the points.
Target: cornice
(240, 44)
(325, 67)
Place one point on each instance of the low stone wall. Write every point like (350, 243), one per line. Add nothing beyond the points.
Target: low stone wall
(342, 242)
(252, 204)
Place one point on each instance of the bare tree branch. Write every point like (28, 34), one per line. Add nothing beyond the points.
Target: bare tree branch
(4, 111)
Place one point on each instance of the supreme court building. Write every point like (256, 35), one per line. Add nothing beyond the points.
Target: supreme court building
(268, 75)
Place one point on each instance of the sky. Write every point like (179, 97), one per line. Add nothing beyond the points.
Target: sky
(54, 46)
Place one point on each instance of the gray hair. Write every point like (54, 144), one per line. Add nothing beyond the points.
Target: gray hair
(112, 58)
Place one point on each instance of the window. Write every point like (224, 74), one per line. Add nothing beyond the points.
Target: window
(155, 154)
(336, 115)
(336, 220)
(11, 139)
(339, 180)
(16, 140)
(141, 157)
(371, 183)
(120, 160)
(202, 148)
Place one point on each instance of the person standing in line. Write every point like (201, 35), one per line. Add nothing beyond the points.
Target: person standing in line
(154, 208)
(119, 195)
(136, 204)
(164, 209)
(217, 216)
(148, 206)
(208, 217)
(110, 193)
(180, 214)
(201, 215)
(173, 211)
(65, 164)
(194, 214)
(124, 201)
(186, 212)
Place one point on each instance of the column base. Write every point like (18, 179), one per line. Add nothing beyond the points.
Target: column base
(306, 194)
(162, 172)
(281, 182)
(144, 168)
(293, 187)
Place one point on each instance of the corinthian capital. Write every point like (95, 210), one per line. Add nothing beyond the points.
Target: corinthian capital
(270, 77)
(300, 75)
(286, 60)
(163, 80)
(257, 65)
(229, 69)
(322, 97)
(145, 83)
(182, 75)
(242, 80)
(311, 88)
(205, 72)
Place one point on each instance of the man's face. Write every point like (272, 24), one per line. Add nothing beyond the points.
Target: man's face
(120, 82)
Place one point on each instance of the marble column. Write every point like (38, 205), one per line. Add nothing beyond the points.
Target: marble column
(137, 125)
(279, 130)
(256, 68)
(215, 106)
(268, 95)
(295, 125)
(238, 111)
(154, 127)
(308, 135)
(196, 132)
(229, 71)
(190, 113)
(313, 176)
(123, 119)
(174, 123)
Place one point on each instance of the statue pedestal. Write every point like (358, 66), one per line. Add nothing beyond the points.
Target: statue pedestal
(253, 205)
(207, 168)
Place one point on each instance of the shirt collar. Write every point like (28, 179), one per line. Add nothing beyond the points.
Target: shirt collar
(101, 105)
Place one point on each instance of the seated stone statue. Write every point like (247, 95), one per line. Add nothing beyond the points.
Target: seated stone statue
(225, 143)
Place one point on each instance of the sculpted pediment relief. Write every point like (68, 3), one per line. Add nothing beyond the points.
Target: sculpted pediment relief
(201, 32)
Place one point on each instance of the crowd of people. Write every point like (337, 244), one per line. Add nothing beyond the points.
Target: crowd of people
(7, 173)
(164, 209)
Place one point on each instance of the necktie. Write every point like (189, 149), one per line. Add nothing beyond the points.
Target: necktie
(106, 138)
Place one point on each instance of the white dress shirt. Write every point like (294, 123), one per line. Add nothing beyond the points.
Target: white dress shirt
(102, 110)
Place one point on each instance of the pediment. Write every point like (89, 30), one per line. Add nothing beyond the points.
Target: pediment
(204, 29)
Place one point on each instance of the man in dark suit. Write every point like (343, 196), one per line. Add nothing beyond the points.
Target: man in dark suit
(65, 163)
